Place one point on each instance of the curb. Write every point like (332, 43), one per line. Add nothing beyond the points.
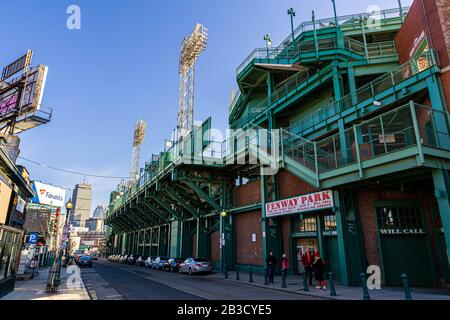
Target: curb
(299, 292)
(90, 292)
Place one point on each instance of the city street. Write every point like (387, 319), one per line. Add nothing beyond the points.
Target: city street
(112, 281)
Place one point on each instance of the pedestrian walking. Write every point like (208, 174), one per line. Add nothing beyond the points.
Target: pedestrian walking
(271, 262)
(284, 265)
(308, 260)
(319, 270)
(33, 266)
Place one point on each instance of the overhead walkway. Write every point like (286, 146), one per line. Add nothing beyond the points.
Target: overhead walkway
(290, 56)
(404, 81)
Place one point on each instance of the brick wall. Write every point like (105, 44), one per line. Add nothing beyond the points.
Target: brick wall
(433, 18)
(248, 252)
(285, 223)
(248, 194)
(291, 186)
(443, 7)
(424, 16)
(214, 247)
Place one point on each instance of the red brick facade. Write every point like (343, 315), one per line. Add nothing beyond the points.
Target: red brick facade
(248, 252)
(291, 186)
(214, 246)
(248, 194)
(433, 18)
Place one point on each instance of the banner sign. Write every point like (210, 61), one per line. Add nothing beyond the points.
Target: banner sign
(304, 203)
(48, 194)
(30, 97)
(18, 65)
(20, 205)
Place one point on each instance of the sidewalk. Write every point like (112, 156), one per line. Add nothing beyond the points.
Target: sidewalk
(34, 289)
(294, 284)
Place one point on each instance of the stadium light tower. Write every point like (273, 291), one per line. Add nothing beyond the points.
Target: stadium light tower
(140, 130)
(193, 45)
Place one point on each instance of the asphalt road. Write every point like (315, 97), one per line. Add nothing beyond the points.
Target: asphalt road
(112, 281)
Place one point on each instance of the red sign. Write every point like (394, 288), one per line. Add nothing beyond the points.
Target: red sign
(304, 203)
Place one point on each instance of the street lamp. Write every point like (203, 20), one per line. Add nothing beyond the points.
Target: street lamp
(291, 12)
(55, 272)
(223, 215)
(69, 206)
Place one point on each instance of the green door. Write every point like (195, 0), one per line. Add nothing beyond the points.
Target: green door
(405, 247)
(406, 254)
(332, 257)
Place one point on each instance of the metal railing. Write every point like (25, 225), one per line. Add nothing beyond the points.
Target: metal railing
(296, 82)
(235, 100)
(368, 91)
(285, 55)
(318, 24)
(403, 127)
(406, 126)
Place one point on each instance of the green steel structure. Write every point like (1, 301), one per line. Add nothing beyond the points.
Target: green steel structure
(333, 107)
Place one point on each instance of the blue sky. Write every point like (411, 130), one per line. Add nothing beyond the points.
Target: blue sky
(122, 66)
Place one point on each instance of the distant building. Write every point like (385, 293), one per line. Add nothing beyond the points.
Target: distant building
(95, 224)
(99, 212)
(82, 202)
(92, 239)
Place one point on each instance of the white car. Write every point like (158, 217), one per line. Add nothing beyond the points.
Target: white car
(148, 262)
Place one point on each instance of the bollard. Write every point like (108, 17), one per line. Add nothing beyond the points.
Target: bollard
(266, 280)
(332, 287)
(226, 272)
(305, 282)
(250, 275)
(283, 278)
(366, 295)
(406, 287)
(237, 273)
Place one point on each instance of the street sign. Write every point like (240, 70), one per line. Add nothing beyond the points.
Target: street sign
(33, 238)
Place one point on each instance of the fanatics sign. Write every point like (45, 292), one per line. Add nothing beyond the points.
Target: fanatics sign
(305, 203)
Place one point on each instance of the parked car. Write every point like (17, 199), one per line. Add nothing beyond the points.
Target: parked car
(158, 263)
(140, 261)
(148, 262)
(85, 261)
(94, 256)
(195, 265)
(173, 264)
(123, 259)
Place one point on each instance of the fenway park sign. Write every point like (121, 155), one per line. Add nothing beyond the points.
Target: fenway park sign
(305, 203)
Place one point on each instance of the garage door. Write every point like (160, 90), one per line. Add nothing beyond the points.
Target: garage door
(404, 246)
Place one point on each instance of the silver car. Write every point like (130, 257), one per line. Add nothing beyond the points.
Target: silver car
(195, 265)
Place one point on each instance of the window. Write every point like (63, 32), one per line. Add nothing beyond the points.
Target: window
(308, 225)
(329, 223)
(399, 218)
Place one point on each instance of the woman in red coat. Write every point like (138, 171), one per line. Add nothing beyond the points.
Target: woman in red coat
(284, 264)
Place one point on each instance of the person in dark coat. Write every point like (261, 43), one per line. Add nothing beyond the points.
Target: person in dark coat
(271, 262)
(319, 270)
(307, 261)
